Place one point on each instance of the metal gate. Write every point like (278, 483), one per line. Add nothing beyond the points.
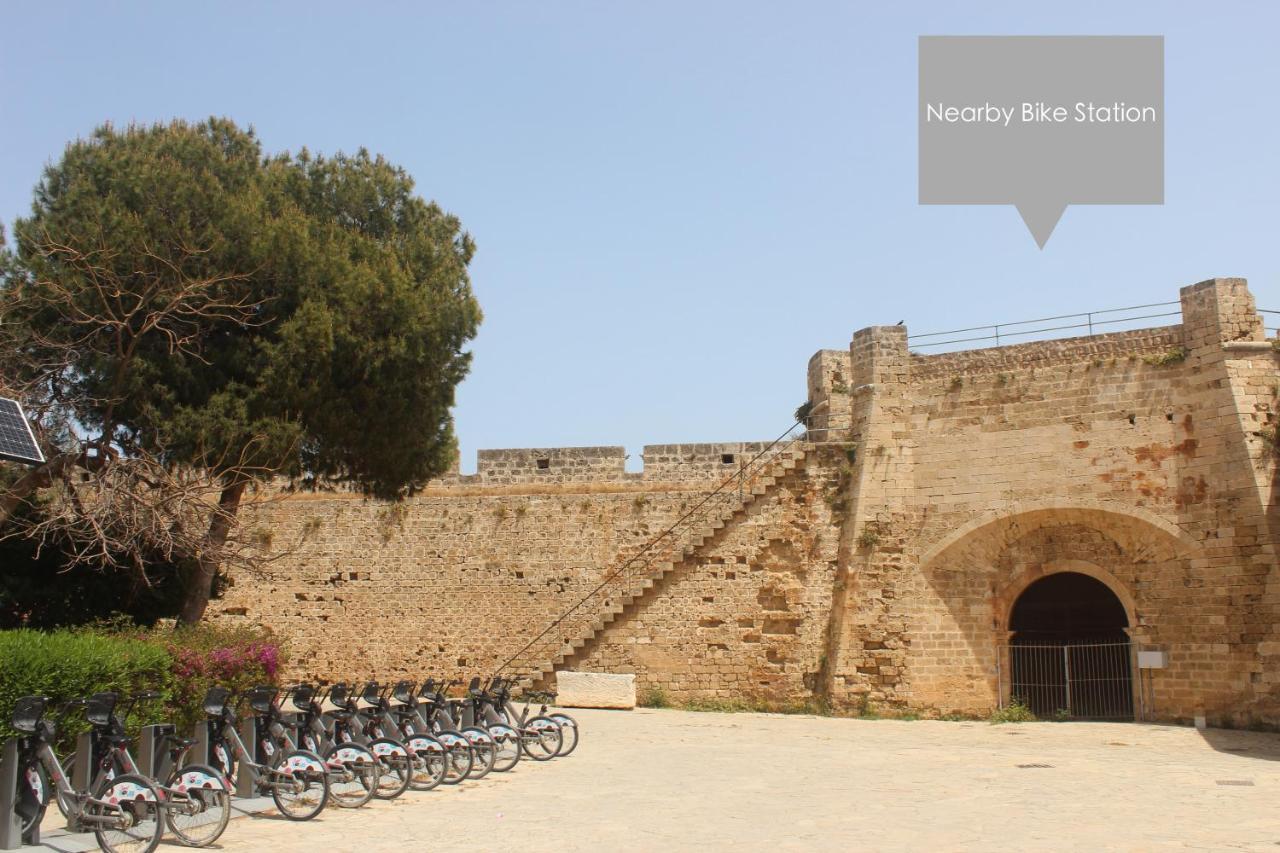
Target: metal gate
(1068, 680)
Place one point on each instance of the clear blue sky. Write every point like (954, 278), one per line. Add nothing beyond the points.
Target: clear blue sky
(676, 204)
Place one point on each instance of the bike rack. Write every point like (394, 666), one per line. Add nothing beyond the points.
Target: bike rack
(11, 837)
(245, 782)
(82, 773)
(153, 759)
(200, 749)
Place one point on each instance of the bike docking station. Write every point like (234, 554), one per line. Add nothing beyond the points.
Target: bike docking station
(250, 732)
(81, 774)
(11, 837)
(154, 760)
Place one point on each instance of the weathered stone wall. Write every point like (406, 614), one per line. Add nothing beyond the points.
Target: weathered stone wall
(1134, 457)
(882, 569)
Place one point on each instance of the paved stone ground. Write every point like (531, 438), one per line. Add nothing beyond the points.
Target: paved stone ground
(674, 780)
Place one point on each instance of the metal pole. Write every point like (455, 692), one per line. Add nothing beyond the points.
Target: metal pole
(1066, 663)
(1090, 320)
(999, 680)
(81, 774)
(997, 328)
(245, 770)
(10, 826)
(199, 752)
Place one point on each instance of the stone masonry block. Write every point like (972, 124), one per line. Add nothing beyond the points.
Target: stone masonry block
(595, 690)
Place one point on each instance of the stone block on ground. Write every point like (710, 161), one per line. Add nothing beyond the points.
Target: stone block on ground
(595, 690)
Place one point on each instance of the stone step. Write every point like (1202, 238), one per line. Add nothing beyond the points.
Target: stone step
(639, 584)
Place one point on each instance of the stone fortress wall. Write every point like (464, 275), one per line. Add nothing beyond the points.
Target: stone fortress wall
(879, 566)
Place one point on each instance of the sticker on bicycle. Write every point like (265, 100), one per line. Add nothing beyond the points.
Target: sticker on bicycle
(422, 744)
(302, 762)
(348, 754)
(475, 737)
(128, 792)
(387, 749)
(197, 780)
(36, 783)
(268, 747)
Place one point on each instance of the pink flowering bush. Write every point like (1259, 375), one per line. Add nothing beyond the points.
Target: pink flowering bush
(208, 655)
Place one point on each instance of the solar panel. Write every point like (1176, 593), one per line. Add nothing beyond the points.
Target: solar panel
(17, 442)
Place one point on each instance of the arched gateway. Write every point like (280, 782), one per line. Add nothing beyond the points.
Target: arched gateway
(1069, 651)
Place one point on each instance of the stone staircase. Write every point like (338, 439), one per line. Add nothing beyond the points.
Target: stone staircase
(634, 576)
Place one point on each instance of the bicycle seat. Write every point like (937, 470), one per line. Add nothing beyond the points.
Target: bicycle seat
(183, 743)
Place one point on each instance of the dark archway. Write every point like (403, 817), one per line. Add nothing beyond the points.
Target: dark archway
(1069, 649)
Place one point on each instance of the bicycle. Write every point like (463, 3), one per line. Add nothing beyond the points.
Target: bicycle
(125, 812)
(351, 725)
(483, 748)
(540, 736)
(568, 725)
(297, 780)
(461, 755)
(352, 767)
(431, 757)
(197, 797)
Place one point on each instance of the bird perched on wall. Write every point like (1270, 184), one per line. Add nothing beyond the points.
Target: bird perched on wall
(900, 322)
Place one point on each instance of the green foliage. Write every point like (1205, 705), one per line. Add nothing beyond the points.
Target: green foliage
(205, 655)
(654, 697)
(65, 665)
(37, 589)
(1015, 712)
(868, 538)
(803, 411)
(118, 656)
(1164, 359)
(347, 367)
(747, 705)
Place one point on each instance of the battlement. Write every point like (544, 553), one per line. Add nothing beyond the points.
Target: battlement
(663, 464)
(1215, 313)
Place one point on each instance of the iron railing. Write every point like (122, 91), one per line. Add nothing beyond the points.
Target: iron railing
(717, 505)
(1078, 681)
(1272, 329)
(1088, 320)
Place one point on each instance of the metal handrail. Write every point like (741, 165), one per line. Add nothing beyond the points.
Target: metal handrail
(1011, 330)
(729, 491)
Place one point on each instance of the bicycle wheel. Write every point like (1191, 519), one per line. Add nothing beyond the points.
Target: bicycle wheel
(568, 730)
(198, 804)
(353, 774)
(130, 815)
(483, 750)
(299, 785)
(541, 738)
(430, 762)
(506, 741)
(394, 769)
(32, 796)
(460, 756)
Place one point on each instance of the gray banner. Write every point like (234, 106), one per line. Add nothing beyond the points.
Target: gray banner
(1041, 122)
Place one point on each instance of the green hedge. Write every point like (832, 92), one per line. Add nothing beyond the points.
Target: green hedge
(182, 664)
(66, 665)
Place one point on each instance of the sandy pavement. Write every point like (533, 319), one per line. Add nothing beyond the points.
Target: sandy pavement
(676, 780)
